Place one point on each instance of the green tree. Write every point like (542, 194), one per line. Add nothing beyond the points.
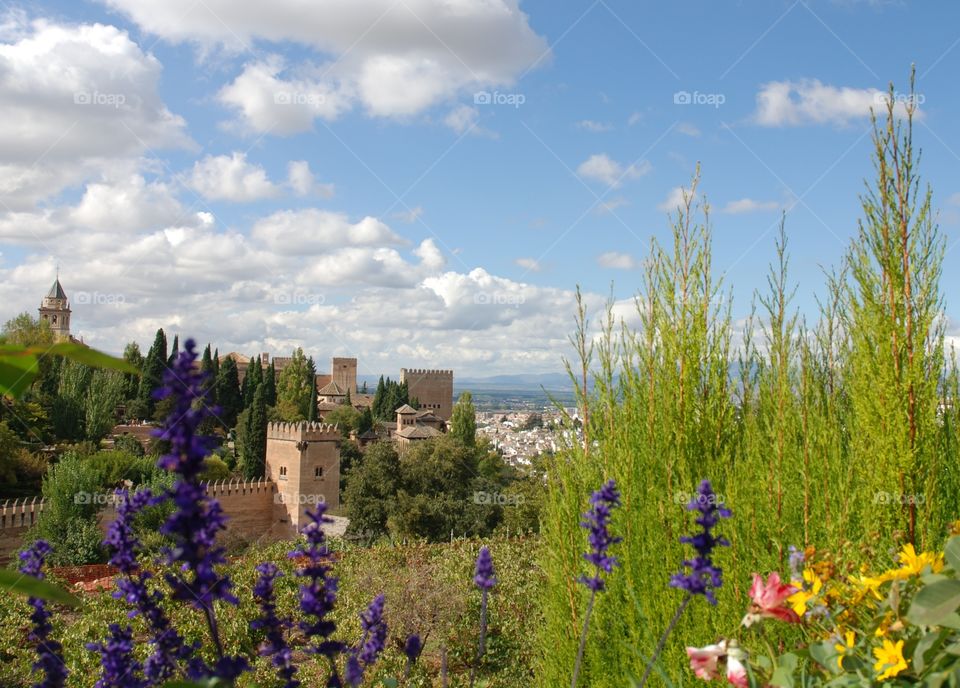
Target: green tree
(371, 489)
(252, 380)
(270, 385)
(104, 394)
(312, 382)
(228, 393)
(295, 389)
(131, 382)
(153, 367)
(346, 418)
(463, 421)
(174, 350)
(252, 437)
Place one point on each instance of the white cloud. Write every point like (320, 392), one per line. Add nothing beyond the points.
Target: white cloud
(409, 216)
(231, 178)
(301, 180)
(127, 205)
(529, 264)
(808, 101)
(635, 118)
(609, 205)
(462, 118)
(688, 129)
(75, 100)
(312, 231)
(602, 168)
(390, 59)
(617, 261)
(675, 200)
(749, 205)
(593, 126)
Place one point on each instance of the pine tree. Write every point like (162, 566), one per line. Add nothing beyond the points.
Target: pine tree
(174, 350)
(153, 367)
(311, 381)
(463, 421)
(378, 399)
(346, 400)
(252, 380)
(252, 437)
(228, 393)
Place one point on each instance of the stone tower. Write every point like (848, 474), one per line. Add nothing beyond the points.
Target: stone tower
(344, 373)
(55, 310)
(303, 460)
(432, 388)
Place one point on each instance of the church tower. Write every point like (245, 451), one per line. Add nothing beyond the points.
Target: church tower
(55, 309)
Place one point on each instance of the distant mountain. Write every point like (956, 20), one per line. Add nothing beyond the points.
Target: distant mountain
(547, 380)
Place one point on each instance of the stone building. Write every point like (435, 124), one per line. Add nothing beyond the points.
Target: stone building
(433, 389)
(55, 310)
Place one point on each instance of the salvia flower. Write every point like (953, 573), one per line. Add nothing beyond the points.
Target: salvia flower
(49, 651)
(132, 587)
(119, 667)
(318, 595)
(484, 577)
(597, 522)
(374, 640)
(412, 648)
(704, 576)
(275, 645)
(197, 519)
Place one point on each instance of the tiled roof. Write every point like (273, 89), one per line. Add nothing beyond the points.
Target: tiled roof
(406, 409)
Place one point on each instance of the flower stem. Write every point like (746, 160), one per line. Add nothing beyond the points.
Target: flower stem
(214, 632)
(583, 639)
(483, 635)
(663, 638)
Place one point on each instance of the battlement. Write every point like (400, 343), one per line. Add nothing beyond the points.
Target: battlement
(424, 371)
(227, 487)
(303, 431)
(20, 513)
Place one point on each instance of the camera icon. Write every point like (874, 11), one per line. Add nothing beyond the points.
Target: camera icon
(81, 98)
(282, 98)
(481, 497)
(82, 498)
(82, 297)
(481, 298)
(482, 98)
(682, 98)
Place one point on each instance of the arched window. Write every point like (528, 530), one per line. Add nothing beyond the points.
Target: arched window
(283, 472)
(318, 472)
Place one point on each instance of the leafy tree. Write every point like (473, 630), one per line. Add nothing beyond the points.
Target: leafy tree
(68, 408)
(346, 418)
(153, 367)
(228, 393)
(252, 437)
(131, 382)
(128, 444)
(104, 394)
(296, 389)
(366, 421)
(370, 491)
(463, 421)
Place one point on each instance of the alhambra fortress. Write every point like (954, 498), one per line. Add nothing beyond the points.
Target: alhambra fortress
(302, 459)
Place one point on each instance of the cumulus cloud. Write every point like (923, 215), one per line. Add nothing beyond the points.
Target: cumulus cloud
(809, 101)
(390, 59)
(617, 261)
(688, 129)
(594, 126)
(749, 205)
(231, 178)
(529, 264)
(313, 231)
(604, 169)
(74, 100)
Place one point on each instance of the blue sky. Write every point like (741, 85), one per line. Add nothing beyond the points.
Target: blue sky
(330, 177)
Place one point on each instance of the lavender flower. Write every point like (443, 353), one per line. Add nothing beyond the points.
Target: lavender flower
(704, 576)
(49, 651)
(483, 575)
(797, 558)
(597, 520)
(412, 648)
(319, 594)
(275, 645)
(120, 669)
(197, 519)
(374, 640)
(132, 586)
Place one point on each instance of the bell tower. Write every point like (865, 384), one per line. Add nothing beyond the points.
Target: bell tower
(55, 310)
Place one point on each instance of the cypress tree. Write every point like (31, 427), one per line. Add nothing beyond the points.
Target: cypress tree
(378, 399)
(253, 436)
(252, 380)
(228, 393)
(463, 421)
(312, 389)
(174, 350)
(270, 385)
(153, 368)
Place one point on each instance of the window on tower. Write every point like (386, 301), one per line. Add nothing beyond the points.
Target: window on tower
(318, 472)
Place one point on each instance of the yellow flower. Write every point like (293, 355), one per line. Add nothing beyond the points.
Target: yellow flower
(806, 590)
(890, 661)
(911, 563)
(850, 639)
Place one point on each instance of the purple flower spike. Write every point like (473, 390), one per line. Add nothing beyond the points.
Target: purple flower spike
(275, 644)
(704, 576)
(49, 651)
(374, 640)
(597, 522)
(120, 669)
(483, 575)
(412, 648)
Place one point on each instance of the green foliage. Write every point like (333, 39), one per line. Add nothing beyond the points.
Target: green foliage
(153, 367)
(296, 389)
(229, 398)
(104, 394)
(215, 468)
(346, 418)
(390, 396)
(463, 420)
(252, 437)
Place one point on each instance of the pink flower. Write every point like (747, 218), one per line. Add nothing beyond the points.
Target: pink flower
(704, 660)
(736, 671)
(769, 599)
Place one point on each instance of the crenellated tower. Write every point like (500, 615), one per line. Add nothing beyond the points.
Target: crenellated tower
(433, 389)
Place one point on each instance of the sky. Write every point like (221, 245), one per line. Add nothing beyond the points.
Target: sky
(424, 183)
